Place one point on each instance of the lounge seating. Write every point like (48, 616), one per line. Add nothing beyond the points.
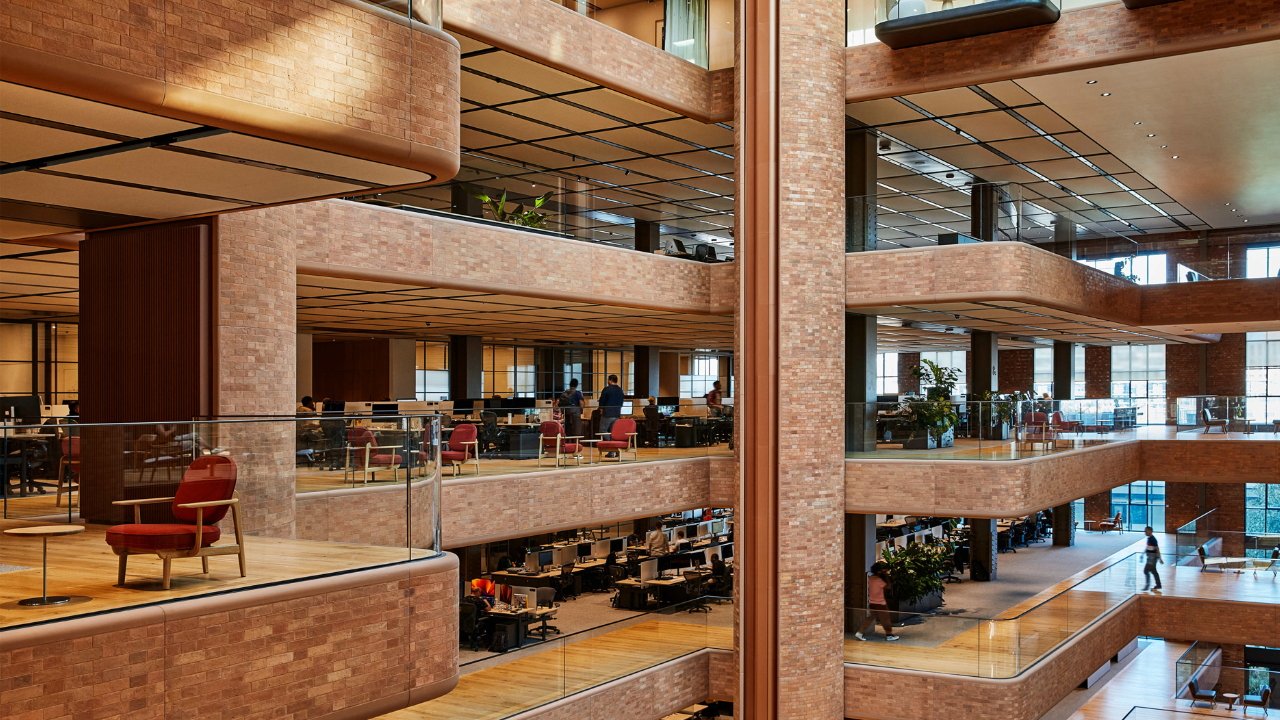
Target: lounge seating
(1261, 700)
(1035, 428)
(461, 448)
(622, 439)
(363, 456)
(1212, 422)
(1199, 695)
(553, 443)
(204, 495)
(1207, 562)
(1116, 523)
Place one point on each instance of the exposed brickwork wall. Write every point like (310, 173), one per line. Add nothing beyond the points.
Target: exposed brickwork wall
(1097, 507)
(600, 54)
(1212, 307)
(987, 489)
(356, 239)
(1212, 461)
(908, 383)
(722, 681)
(221, 59)
(1225, 362)
(1097, 371)
(724, 482)
(256, 359)
(1228, 518)
(1182, 370)
(1182, 618)
(724, 287)
(1017, 370)
(1182, 504)
(1100, 35)
(367, 516)
(643, 696)
(239, 657)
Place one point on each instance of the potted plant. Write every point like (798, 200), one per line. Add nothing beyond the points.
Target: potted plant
(916, 572)
(997, 414)
(531, 218)
(934, 419)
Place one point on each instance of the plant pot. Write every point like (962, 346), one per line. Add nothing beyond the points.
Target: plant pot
(925, 604)
(923, 440)
(998, 432)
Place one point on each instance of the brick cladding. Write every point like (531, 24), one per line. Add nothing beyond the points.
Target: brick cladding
(1101, 35)
(348, 237)
(596, 52)
(294, 658)
(643, 696)
(360, 70)
(1225, 363)
(367, 516)
(1182, 504)
(1218, 306)
(908, 383)
(256, 359)
(1017, 370)
(1182, 364)
(1097, 371)
(1212, 461)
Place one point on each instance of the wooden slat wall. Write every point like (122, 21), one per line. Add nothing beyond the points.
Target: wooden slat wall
(351, 369)
(146, 335)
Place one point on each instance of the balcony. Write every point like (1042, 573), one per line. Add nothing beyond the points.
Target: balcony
(908, 23)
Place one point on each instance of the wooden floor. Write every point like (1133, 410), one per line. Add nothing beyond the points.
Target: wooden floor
(84, 567)
(974, 449)
(1143, 690)
(532, 677)
(313, 479)
(1024, 634)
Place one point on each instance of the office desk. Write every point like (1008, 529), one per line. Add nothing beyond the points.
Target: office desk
(20, 446)
(515, 623)
(549, 578)
(633, 591)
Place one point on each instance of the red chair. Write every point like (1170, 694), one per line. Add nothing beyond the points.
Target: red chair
(205, 494)
(1061, 425)
(68, 465)
(1035, 428)
(553, 443)
(622, 439)
(364, 447)
(461, 448)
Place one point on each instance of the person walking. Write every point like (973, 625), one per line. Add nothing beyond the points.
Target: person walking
(878, 584)
(1153, 559)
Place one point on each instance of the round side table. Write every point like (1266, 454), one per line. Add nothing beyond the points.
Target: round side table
(44, 532)
(1231, 699)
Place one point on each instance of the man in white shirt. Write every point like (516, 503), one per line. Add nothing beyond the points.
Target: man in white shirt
(657, 542)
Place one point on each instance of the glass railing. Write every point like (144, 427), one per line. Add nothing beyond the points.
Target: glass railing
(98, 475)
(573, 209)
(699, 31)
(1200, 543)
(984, 430)
(563, 665)
(427, 12)
(999, 647)
(1212, 671)
(1223, 413)
(1004, 212)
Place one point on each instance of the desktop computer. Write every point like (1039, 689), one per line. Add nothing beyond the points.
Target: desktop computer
(564, 555)
(600, 549)
(649, 570)
(618, 545)
(584, 550)
(545, 559)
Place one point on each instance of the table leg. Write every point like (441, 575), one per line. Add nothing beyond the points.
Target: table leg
(44, 598)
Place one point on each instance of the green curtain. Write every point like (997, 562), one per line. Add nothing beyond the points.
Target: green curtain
(686, 31)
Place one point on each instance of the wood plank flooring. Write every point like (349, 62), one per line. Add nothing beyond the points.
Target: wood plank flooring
(84, 567)
(1146, 683)
(534, 677)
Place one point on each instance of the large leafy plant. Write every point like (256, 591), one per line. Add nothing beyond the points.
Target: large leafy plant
(917, 569)
(531, 218)
(939, 382)
(1003, 405)
(935, 415)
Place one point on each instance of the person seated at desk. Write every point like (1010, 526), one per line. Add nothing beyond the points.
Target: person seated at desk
(657, 543)
(681, 542)
(483, 604)
(721, 575)
(652, 422)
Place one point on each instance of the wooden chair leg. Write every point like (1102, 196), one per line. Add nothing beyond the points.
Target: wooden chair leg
(165, 575)
(124, 560)
(244, 571)
(204, 563)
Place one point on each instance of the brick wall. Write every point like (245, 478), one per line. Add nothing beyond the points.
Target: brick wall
(292, 73)
(1097, 507)
(1182, 365)
(361, 641)
(1182, 504)
(599, 54)
(1097, 371)
(908, 383)
(1101, 35)
(648, 694)
(1225, 362)
(1017, 370)
(1222, 306)
(1212, 461)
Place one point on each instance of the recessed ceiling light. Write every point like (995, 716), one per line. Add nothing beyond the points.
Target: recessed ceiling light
(1090, 82)
(1151, 134)
(1246, 219)
(1137, 122)
(1106, 94)
(1163, 147)
(1227, 204)
(1175, 157)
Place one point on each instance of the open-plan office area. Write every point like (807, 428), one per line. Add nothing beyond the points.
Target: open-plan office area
(639, 360)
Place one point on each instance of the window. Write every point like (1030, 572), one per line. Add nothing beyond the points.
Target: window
(612, 362)
(887, 373)
(1077, 373)
(508, 371)
(1262, 262)
(431, 377)
(1262, 510)
(1150, 269)
(51, 372)
(1141, 503)
(1262, 376)
(697, 372)
(950, 359)
(1137, 374)
(1042, 374)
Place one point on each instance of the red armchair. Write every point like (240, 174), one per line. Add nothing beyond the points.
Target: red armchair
(69, 465)
(553, 443)
(364, 449)
(622, 439)
(205, 494)
(1035, 428)
(461, 447)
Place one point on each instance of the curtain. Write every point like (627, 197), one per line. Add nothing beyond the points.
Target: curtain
(686, 31)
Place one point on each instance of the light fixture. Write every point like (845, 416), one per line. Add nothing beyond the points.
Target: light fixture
(1175, 157)
(1090, 82)
(1137, 122)
(1151, 134)
(1163, 147)
(1106, 94)
(1227, 204)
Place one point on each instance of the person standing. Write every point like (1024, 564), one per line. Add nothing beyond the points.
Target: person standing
(877, 586)
(1153, 559)
(657, 543)
(715, 401)
(610, 407)
(570, 404)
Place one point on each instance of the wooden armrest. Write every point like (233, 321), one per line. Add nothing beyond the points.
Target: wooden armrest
(468, 442)
(632, 434)
(209, 503)
(142, 501)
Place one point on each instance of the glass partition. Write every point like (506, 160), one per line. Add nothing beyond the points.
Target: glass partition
(240, 475)
(984, 430)
(1206, 664)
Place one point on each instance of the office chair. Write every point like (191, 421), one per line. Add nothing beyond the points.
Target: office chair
(565, 588)
(705, 253)
(695, 585)
(472, 627)
(546, 599)
(492, 439)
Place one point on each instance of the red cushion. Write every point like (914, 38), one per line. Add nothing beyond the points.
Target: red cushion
(385, 460)
(211, 477)
(570, 448)
(613, 445)
(160, 536)
(451, 456)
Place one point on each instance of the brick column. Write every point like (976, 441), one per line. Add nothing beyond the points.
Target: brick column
(1064, 369)
(1097, 371)
(256, 353)
(982, 549)
(1016, 370)
(790, 122)
(908, 383)
(1064, 525)
(1098, 507)
(984, 355)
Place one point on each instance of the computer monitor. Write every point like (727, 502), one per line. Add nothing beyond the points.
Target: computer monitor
(531, 562)
(718, 527)
(600, 549)
(706, 554)
(618, 545)
(726, 551)
(626, 408)
(565, 555)
(545, 558)
(385, 409)
(703, 529)
(464, 406)
(520, 403)
(522, 596)
(649, 570)
(584, 550)
(21, 409)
